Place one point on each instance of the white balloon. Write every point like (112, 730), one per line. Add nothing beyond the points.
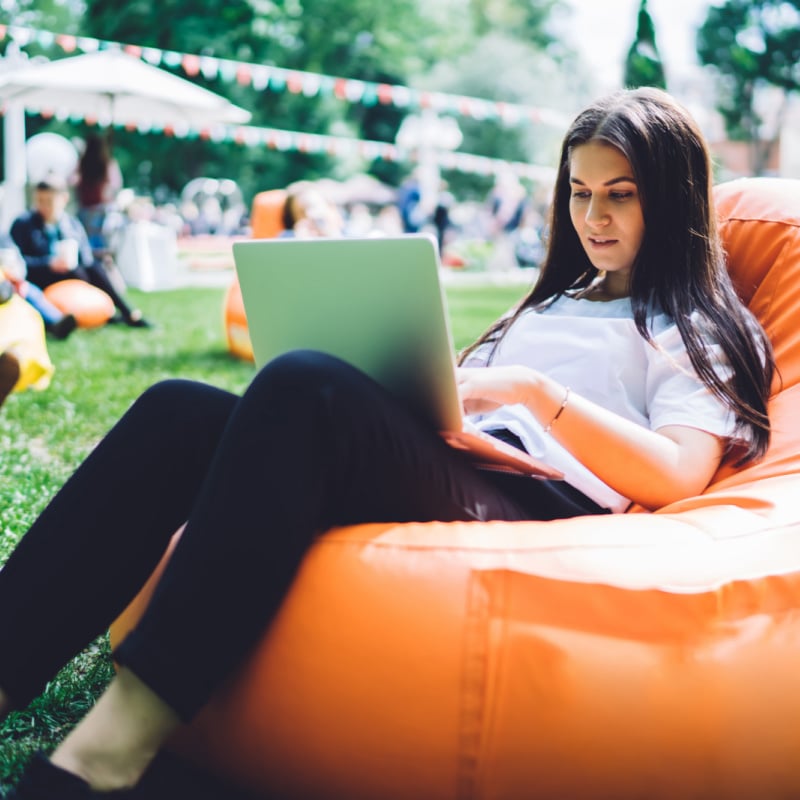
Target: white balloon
(48, 153)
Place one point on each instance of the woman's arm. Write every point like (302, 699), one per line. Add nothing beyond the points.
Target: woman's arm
(652, 468)
(30, 246)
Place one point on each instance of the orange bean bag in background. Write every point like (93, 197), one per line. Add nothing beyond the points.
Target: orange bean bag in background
(266, 218)
(90, 306)
(237, 333)
(641, 655)
(266, 221)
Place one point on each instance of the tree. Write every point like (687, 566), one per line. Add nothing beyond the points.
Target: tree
(753, 45)
(524, 20)
(519, 74)
(56, 15)
(350, 38)
(643, 65)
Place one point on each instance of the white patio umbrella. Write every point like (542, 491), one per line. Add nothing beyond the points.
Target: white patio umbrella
(113, 88)
(116, 88)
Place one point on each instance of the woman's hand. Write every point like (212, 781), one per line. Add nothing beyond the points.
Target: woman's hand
(652, 468)
(483, 389)
(60, 264)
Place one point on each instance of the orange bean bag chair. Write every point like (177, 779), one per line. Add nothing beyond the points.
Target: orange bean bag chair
(641, 655)
(237, 333)
(90, 306)
(266, 221)
(266, 217)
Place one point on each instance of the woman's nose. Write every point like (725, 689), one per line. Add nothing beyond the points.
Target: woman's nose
(596, 212)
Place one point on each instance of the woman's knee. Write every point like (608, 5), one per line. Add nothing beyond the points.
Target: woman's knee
(173, 405)
(305, 385)
(301, 371)
(166, 395)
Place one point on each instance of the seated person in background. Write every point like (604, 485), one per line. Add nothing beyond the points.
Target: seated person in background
(307, 213)
(42, 236)
(12, 268)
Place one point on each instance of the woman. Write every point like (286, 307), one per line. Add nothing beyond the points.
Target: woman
(633, 292)
(634, 234)
(98, 180)
(307, 213)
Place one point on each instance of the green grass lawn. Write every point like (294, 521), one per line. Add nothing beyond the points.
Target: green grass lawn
(45, 435)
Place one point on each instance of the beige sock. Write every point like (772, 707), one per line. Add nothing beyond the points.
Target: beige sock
(116, 741)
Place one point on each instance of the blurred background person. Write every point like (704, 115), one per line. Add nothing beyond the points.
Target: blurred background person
(55, 246)
(416, 202)
(98, 180)
(441, 220)
(12, 269)
(308, 213)
(507, 203)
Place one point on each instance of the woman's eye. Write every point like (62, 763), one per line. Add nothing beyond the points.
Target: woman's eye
(621, 195)
(581, 195)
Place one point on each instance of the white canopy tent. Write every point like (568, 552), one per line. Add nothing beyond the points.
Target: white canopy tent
(108, 86)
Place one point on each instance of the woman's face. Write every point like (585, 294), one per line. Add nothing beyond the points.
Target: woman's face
(605, 209)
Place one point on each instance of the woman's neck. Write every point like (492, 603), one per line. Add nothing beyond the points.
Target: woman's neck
(606, 287)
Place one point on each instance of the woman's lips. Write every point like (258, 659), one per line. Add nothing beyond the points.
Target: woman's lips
(601, 243)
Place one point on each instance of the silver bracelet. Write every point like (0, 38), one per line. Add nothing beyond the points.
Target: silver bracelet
(561, 408)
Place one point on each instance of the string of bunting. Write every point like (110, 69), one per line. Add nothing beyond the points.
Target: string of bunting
(338, 146)
(263, 77)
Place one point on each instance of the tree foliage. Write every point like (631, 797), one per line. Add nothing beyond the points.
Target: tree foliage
(500, 66)
(752, 45)
(523, 20)
(56, 15)
(352, 39)
(643, 65)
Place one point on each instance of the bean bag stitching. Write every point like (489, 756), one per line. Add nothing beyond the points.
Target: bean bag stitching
(474, 672)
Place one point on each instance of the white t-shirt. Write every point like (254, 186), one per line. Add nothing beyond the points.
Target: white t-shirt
(594, 348)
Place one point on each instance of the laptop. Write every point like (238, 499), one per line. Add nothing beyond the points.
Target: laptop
(378, 304)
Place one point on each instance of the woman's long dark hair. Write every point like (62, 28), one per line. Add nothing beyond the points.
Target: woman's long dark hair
(93, 164)
(680, 266)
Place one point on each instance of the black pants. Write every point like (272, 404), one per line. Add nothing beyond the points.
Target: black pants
(94, 274)
(311, 444)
